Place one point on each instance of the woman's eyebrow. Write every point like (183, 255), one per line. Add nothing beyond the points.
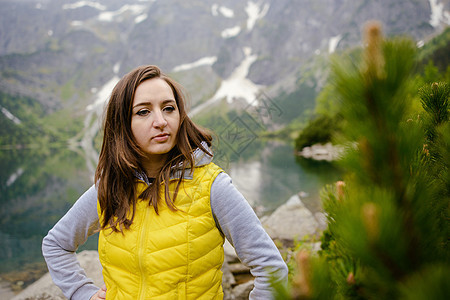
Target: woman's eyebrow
(148, 103)
(142, 104)
(168, 101)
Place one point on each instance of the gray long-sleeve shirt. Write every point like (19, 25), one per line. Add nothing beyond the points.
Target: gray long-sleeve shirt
(231, 210)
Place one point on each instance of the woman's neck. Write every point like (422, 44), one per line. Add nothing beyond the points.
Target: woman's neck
(153, 165)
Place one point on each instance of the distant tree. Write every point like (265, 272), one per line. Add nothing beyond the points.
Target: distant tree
(318, 131)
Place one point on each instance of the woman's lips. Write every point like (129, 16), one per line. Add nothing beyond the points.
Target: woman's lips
(161, 137)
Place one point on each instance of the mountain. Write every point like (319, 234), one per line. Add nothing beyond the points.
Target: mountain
(67, 55)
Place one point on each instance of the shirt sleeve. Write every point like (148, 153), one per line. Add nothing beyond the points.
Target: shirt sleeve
(61, 242)
(245, 232)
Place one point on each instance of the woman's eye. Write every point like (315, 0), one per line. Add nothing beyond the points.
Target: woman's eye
(143, 112)
(169, 108)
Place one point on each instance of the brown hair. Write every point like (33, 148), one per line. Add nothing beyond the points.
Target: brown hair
(120, 157)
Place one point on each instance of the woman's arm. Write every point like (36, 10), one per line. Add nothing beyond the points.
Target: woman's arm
(61, 242)
(244, 231)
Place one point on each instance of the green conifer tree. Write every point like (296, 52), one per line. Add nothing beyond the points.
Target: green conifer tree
(388, 221)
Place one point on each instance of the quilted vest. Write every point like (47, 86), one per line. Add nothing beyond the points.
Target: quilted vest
(172, 255)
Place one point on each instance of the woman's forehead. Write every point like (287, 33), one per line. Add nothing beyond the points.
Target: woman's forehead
(153, 91)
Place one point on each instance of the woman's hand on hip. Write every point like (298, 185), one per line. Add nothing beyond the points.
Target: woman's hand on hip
(100, 295)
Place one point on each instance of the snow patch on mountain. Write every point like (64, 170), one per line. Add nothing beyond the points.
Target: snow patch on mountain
(205, 61)
(334, 41)
(140, 18)
(215, 10)
(116, 67)
(103, 94)
(108, 16)
(84, 3)
(255, 12)
(237, 86)
(231, 32)
(225, 11)
(438, 14)
(76, 23)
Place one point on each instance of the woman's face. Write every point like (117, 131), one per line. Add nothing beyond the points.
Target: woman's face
(155, 118)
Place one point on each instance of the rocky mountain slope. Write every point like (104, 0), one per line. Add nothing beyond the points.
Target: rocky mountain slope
(63, 53)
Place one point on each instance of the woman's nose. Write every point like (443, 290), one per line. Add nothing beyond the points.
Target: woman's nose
(159, 121)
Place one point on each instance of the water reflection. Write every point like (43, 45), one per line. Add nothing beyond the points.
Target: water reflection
(34, 201)
(270, 179)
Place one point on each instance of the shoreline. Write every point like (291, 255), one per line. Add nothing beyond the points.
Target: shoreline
(15, 281)
(6, 291)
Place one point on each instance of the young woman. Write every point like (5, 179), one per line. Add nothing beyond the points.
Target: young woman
(162, 207)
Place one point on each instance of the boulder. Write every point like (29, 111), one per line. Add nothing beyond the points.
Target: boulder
(242, 291)
(227, 282)
(326, 152)
(230, 253)
(44, 288)
(322, 220)
(291, 220)
(5, 290)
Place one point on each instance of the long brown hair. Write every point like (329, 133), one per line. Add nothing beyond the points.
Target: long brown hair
(120, 157)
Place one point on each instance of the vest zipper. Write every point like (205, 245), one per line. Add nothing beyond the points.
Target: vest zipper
(140, 255)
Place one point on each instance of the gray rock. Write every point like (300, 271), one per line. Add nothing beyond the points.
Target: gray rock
(227, 282)
(326, 152)
(322, 220)
(5, 290)
(230, 253)
(44, 288)
(242, 291)
(315, 247)
(291, 221)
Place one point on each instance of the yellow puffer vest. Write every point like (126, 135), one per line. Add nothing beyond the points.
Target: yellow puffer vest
(173, 255)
